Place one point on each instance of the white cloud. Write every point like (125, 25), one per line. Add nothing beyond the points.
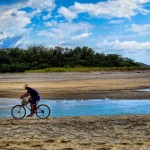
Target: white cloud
(2, 36)
(140, 29)
(57, 34)
(41, 4)
(46, 17)
(24, 42)
(108, 9)
(81, 36)
(138, 51)
(50, 23)
(62, 42)
(66, 30)
(13, 22)
(125, 45)
(67, 13)
(116, 21)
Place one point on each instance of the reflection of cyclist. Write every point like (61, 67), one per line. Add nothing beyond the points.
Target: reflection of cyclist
(33, 99)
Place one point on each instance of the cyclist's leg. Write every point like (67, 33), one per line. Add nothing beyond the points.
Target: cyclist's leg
(31, 111)
(36, 102)
(33, 104)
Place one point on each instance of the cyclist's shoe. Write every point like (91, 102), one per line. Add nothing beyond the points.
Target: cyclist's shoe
(29, 115)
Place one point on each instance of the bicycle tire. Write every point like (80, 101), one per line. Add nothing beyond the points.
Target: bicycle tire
(17, 110)
(43, 111)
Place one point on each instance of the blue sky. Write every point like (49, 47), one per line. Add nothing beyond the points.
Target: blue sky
(108, 26)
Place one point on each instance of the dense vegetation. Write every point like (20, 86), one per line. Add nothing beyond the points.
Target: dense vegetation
(20, 60)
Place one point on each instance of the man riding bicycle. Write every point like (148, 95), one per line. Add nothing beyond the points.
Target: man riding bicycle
(33, 99)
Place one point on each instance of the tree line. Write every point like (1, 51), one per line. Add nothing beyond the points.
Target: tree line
(39, 57)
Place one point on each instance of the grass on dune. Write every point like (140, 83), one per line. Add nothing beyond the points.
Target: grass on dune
(87, 69)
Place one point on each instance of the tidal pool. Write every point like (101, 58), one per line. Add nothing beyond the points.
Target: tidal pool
(93, 107)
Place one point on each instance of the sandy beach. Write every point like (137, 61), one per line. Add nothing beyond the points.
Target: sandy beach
(86, 85)
(76, 133)
(130, 132)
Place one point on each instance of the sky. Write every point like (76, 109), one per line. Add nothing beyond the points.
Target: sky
(107, 26)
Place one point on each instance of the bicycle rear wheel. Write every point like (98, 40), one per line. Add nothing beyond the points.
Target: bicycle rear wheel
(43, 111)
(18, 112)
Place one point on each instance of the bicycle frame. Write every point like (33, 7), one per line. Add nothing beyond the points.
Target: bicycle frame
(26, 106)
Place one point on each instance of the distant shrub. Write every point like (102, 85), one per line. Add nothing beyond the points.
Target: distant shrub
(16, 67)
(60, 59)
(42, 66)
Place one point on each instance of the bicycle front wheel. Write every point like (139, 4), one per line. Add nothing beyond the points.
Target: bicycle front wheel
(43, 111)
(18, 112)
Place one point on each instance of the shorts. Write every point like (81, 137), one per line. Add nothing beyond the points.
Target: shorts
(35, 99)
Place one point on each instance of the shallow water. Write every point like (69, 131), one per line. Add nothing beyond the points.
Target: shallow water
(145, 90)
(84, 107)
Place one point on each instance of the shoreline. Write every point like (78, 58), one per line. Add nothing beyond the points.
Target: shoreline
(91, 85)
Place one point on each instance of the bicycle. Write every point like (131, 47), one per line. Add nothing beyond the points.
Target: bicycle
(42, 111)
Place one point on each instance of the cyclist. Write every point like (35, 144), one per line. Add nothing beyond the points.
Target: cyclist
(34, 97)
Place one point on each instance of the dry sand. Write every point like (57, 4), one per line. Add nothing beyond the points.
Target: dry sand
(91, 85)
(76, 133)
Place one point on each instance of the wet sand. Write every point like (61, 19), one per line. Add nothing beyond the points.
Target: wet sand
(89, 85)
(76, 133)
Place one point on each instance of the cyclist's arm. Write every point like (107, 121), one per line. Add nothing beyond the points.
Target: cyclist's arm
(25, 95)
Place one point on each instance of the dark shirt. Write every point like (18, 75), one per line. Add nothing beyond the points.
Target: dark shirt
(33, 93)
